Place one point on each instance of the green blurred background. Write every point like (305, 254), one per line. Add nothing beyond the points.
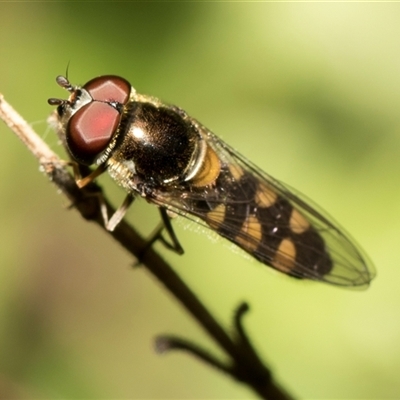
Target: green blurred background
(309, 92)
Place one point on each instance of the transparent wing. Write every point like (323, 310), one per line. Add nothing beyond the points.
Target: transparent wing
(273, 223)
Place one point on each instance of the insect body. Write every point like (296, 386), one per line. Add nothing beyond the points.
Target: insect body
(158, 152)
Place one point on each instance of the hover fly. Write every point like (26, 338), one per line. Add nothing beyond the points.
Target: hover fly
(160, 153)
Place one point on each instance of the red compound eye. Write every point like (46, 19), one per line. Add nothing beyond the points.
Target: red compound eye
(109, 88)
(90, 130)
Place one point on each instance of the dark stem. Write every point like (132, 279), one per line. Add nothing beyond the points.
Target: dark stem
(245, 365)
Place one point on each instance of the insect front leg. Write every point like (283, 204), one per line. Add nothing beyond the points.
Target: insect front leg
(109, 223)
(82, 182)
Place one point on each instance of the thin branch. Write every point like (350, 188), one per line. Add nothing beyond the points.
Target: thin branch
(245, 365)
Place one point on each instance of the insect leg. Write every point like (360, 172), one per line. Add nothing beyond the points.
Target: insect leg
(157, 235)
(119, 214)
(82, 182)
(111, 223)
(116, 218)
(175, 245)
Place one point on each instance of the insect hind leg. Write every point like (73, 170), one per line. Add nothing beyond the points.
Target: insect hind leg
(175, 245)
(172, 245)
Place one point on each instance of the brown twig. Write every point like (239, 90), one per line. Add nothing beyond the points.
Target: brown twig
(244, 365)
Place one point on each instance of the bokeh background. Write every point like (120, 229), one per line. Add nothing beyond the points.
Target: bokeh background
(308, 91)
